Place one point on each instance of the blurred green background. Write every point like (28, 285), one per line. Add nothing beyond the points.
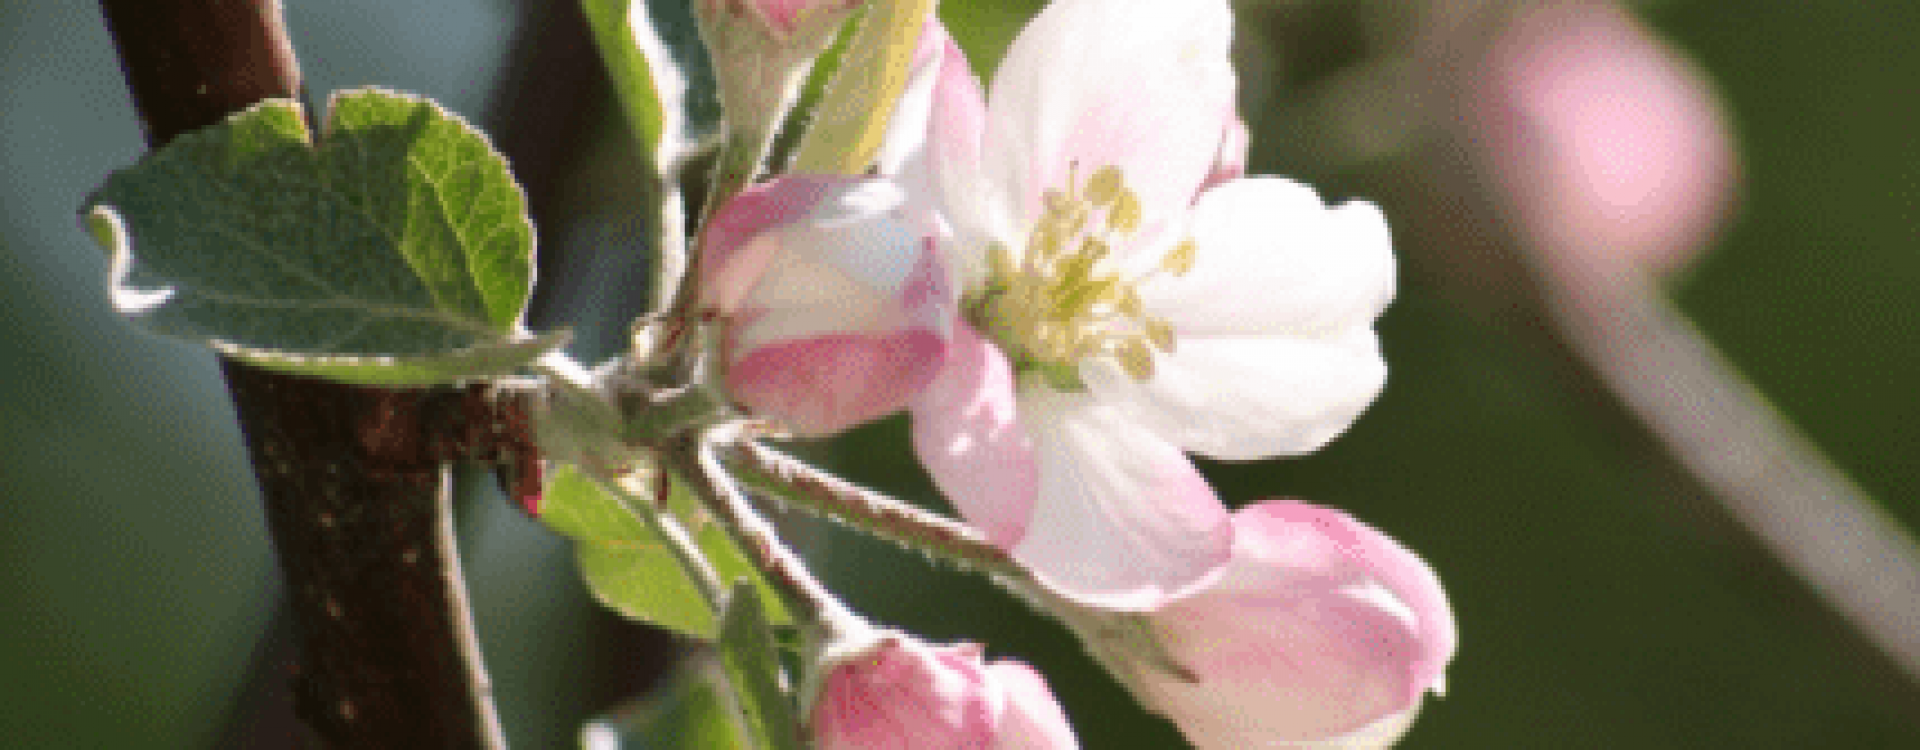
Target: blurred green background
(1599, 605)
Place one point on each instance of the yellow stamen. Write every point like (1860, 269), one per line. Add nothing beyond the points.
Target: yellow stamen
(1061, 303)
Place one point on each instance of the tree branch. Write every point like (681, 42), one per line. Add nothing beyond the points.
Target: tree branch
(352, 477)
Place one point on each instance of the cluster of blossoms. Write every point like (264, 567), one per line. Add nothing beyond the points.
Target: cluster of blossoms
(1070, 284)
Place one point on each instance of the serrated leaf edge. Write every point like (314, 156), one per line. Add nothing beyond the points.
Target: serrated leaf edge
(519, 192)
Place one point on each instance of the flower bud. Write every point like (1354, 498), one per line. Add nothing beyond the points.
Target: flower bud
(837, 304)
(1323, 633)
(897, 693)
(761, 50)
(781, 19)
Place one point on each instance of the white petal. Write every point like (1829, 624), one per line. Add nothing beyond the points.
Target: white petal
(1273, 259)
(1144, 85)
(1123, 520)
(1244, 398)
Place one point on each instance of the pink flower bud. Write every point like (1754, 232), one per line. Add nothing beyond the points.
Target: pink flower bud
(1323, 630)
(781, 17)
(837, 304)
(900, 694)
(1610, 148)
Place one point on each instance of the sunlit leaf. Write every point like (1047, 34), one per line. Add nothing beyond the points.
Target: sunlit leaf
(396, 250)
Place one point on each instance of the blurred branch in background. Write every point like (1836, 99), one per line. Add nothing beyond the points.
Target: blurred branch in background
(1564, 158)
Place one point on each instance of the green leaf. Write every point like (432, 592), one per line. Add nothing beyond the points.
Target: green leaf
(691, 711)
(629, 568)
(396, 251)
(747, 650)
(727, 558)
(626, 565)
(661, 75)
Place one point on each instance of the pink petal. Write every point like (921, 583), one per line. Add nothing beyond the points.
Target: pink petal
(1030, 718)
(731, 263)
(1367, 552)
(966, 432)
(1124, 521)
(1230, 163)
(1144, 85)
(825, 384)
(1323, 630)
(905, 695)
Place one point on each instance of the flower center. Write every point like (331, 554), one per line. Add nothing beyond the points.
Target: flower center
(1063, 301)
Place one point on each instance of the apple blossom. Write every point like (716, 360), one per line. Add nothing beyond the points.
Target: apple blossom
(837, 307)
(896, 693)
(1324, 632)
(1127, 295)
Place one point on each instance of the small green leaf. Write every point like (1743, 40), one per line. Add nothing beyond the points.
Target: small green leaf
(396, 251)
(661, 75)
(747, 651)
(626, 565)
(691, 711)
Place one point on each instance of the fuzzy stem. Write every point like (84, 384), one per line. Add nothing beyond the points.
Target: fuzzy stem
(693, 460)
(826, 495)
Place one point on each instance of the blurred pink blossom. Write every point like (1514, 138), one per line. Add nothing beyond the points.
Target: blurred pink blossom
(1610, 149)
(897, 693)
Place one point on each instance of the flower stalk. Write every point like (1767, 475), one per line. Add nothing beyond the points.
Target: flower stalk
(826, 495)
(692, 459)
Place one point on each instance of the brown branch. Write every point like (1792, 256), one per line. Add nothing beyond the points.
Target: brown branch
(353, 478)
